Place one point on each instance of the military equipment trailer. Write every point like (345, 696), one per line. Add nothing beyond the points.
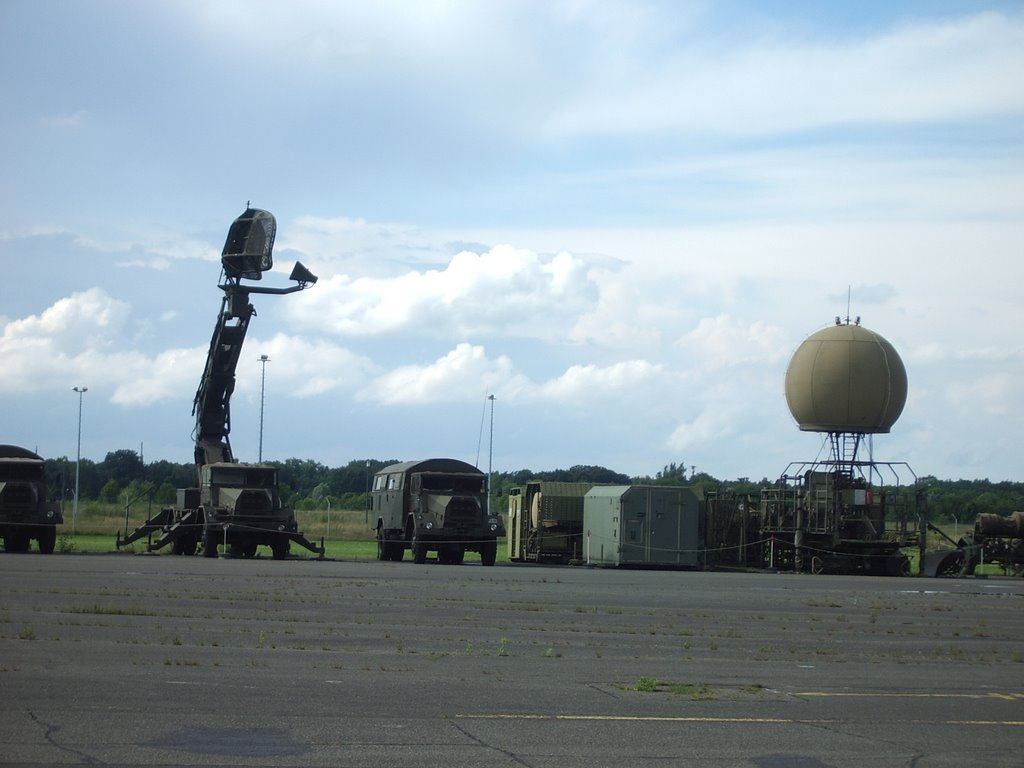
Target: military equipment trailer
(235, 505)
(434, 505)
(25, 513)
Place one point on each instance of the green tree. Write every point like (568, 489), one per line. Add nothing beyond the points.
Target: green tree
(110, 492)
(123, 466)
(166, 494)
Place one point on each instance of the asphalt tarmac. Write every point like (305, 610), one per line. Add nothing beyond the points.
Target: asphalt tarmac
(157, 660)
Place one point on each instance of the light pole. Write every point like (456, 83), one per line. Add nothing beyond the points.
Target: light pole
(78, 457)
(490, 456)
(263, 388)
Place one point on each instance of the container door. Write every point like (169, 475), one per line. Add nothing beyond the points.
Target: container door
(634, 528)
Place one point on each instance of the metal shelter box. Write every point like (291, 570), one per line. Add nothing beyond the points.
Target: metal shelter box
(654, 525)
(545, 521)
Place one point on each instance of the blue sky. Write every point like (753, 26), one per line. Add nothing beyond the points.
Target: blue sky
(621, 219)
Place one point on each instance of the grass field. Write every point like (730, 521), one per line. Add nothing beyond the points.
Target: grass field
(346, 533)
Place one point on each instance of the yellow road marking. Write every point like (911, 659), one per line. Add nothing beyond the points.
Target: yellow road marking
(908, 695)
(647, 718)
(778, 720)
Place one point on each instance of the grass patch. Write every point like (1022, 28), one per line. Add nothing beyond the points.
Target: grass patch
(692, 691)
(646, 684)
(350, 538)
(111, 610)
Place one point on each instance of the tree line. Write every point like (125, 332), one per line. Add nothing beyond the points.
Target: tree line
(122, 477)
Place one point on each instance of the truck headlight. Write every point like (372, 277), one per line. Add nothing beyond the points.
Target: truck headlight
(428, 525)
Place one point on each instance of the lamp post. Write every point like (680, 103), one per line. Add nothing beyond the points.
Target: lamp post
(490, 455)
(263, 388)
(78, 457)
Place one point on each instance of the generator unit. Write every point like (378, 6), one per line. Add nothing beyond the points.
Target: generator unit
(545, 522)
(641, 525)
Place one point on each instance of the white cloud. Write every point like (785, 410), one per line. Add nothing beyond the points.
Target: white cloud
(46, 351)
(507, 290)
(303, 368)
(462, 374)
(593, 382)
(157, 264)
(67, 119)
(139, 380)
(706, 428)
(723, 341)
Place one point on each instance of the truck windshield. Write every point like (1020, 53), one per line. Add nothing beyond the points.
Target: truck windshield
(452, 484)
(243, 477)
(21, 470)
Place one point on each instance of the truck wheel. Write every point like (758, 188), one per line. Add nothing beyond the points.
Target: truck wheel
(180, 546)
(419, 550)
(280, 548)
(383, 548)
(17, 542)
(458, 554)
(210, 544)
(47, 540)
(488, 552)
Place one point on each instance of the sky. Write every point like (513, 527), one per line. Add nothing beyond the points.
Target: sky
(619, 219)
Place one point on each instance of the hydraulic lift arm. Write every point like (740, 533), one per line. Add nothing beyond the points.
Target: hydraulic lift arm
(248, 252)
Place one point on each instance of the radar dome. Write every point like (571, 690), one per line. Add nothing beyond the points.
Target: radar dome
(846, 378)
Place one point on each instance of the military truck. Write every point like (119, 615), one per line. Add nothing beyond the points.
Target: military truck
(25, 513)
(235, 505)
(434, 505)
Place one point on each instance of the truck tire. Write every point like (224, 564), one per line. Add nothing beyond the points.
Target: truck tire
(488, 552)
(419, 550)
(210, 544)
(184, 546)
(279, 548)
(17, 541)
(383, 547)
(47, 539)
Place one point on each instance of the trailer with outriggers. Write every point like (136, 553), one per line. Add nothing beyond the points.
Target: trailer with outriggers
(236, 507)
